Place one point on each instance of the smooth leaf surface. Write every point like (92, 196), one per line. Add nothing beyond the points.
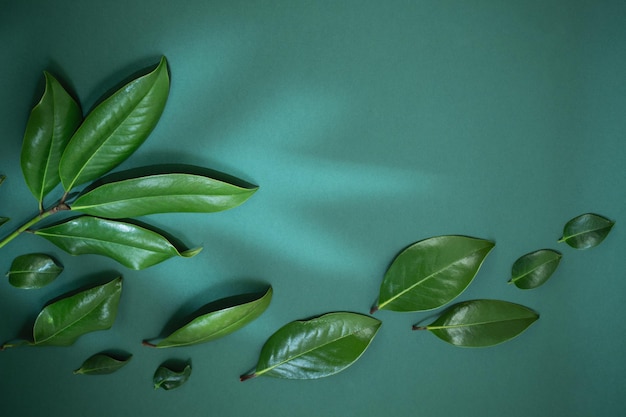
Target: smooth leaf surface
(113, 130)
(316, 348)
(586, 231)
(63, 322)
(102, 364)
(133, 246)
(168, 379)
(34, 270)
(165, 193)
(481, 323)
(535, 268)
(48, 130)
(219, 323)
(431, 273)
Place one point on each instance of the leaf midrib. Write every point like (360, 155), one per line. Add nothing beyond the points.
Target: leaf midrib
(98, 240)
(482, 323)
(564, 238)
(533, 270)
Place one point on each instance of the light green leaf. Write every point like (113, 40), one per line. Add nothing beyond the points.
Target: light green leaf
(50, 125)
(164, 193)
(224, 317)
(316, 348)
(102, 364)
(168, 379)
(431, 273)
(115, 128)
(133, 246)
(586, 231)
(481, 323)
(535, 268)
(34, 270)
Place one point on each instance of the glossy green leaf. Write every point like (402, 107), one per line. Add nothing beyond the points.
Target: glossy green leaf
(168, 379)
(50, 125)
(165, 193)
(63, 322)
(535, 268)
(102, 364)
(586, 231)
(431, 273)
(133, 246)
(481, 323)
(231, 314)
(113, 130)
(316, 348)
(34, 270)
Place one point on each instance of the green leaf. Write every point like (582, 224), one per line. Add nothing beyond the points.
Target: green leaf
(586, 231)
(63, 322)
(102, 364)
(34, 270)
(535, 268)
(431, 273)
(231, 314)
(165, 193)
(133, 246)
(168, 379)
(3, 220)
(481, 323)
(115, 128)
(50, 125)
(316, 348)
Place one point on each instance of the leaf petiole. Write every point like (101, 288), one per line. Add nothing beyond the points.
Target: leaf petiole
(43, 215)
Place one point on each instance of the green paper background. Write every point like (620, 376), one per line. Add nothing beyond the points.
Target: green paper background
(368, 126)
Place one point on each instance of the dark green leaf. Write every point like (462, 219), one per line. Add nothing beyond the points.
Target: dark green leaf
(3, 220)
(34, 270)
(316, 348)
(233, 314)
(115, 128)
(168, 379)
(431, 273)
(586, 231)
(2, 178)
(165, 193)
(480, 323)
(535, 268)
(101, 364)
(133, 246)
(50, 125)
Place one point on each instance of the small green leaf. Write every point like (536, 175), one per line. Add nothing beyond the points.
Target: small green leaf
(316, 348)
(102, 364)
(115, 128)
(586, 231)
(34, 270)
(481, 323)
(2, 178)
(225, 316)
(168, 379)
(431, 273)
(164, 193)
(133, 246)
(3, 220)
(534, 269)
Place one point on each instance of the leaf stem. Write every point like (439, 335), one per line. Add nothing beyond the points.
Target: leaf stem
(416, 327)
(23, 228)
(243, 378)
(146, 343)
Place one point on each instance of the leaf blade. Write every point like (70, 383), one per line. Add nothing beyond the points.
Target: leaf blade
(535, 268)
(102, 364)
(34, 270)
(168, 379)
(586, 231)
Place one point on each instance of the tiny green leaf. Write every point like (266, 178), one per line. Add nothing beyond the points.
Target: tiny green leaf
(431, 273)
(586, 231)
(164, 193)
(316, 348)
(481, 323)
(133, 246)
(3, 220)
(232, 314)
(102, 364)
(34, 270)
(535, 268)
(168, 379)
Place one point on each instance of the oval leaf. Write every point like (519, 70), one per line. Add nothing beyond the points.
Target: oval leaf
(168, 379)
(64, 321)
(34, 270)
(535, 268)
(133, 246)
(232, 315)
(586, 231)
(431, 273)
(316, 348)
(50, 125)
(481, 323)
(102, 364)
(113, 130)
(165, 193)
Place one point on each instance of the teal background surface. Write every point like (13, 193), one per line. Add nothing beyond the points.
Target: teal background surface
(368, 126)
